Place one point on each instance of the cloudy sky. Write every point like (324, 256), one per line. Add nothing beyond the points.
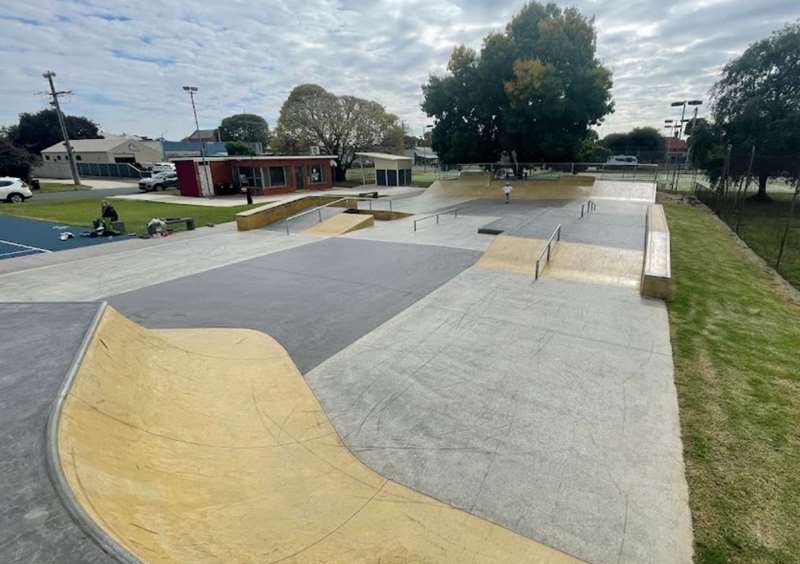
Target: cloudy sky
(125, 62)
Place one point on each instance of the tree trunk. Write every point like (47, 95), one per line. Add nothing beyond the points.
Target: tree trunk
(762, 195)
(340, 173)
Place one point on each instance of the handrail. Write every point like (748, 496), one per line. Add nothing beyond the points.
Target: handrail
(454, 210)
(318, 209)
(590, 207)
(557, 236)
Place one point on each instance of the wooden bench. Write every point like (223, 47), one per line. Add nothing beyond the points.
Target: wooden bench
(657, 270)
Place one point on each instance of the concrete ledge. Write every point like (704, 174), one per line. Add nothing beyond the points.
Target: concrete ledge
(657, 272)
(267, 214)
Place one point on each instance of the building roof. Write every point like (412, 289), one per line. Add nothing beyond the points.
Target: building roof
(384, 156)
(256, 158)
(202, 135)
(425, 152)
(91, 145)
(216, 148)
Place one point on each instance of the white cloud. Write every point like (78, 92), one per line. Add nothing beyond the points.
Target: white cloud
(126, 62)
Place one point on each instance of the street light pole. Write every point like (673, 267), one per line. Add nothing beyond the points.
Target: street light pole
(73, 168)
(191, 90)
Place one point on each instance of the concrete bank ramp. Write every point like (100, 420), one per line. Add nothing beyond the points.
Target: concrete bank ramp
(511, 254)
(341, 224)
(594, 264)
(207, 445)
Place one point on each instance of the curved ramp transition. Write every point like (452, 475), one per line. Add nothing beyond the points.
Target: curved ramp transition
(207, 445)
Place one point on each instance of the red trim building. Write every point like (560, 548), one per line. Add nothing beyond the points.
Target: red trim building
(263, 175)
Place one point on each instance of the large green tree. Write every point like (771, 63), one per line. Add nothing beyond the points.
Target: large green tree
(645, 142)
(38, 131)
(15, 161)
(536, 88)
(339, 125)
(757, 103)
(245, 128)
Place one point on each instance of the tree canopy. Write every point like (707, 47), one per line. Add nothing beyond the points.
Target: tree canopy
(38, 131)
(339, 125)
(239, 148)
(535, 88)
(644, 142)
(15, 161)
(245, 128)
(756, 102)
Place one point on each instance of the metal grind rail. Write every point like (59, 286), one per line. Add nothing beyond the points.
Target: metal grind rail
(589, 207)
(547, 251)
(319, 209)
(454, 211)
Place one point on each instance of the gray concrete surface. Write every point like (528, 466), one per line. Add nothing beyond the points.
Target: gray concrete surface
(546, 407)
(315, 299)
(94, 277)
(37, 346)
(614, 224)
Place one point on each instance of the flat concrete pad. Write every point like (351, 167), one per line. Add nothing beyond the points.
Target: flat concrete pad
(207, 445)
(37, 345)
(546, 407)
(315, 299)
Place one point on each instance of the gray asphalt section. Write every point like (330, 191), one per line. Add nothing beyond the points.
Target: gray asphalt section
(315, 299)
(37, 346)
(546, 407)
(613, 224)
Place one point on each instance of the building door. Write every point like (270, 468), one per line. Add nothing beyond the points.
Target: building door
(391, 177)
(299, 180)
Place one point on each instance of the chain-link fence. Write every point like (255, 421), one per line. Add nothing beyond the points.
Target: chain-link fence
(758, 196)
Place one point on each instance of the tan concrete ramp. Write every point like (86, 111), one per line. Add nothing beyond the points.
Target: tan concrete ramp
(512, 254)
(208, 446)
(595, 264)
(568, 187)
(340, 224)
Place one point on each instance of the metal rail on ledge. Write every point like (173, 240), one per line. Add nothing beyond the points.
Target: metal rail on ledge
(319, 209)
(546, 252)
(454, 211)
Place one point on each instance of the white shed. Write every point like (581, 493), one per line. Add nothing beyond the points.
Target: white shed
(390, 170)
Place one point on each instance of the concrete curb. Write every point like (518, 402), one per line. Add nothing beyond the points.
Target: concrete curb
(53, 463)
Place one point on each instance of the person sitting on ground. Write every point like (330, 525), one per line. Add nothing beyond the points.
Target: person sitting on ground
(507, 189)
(104, 225)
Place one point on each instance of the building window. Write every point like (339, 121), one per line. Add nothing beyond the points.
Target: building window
(59, 157)
(47, 157)
(316, 174)
(277, 176)
(249, 177)
(78, 158)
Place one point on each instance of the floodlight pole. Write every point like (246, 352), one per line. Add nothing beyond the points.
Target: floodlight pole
(73, 168)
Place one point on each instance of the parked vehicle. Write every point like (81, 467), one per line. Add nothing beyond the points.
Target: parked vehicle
(159, 181)
(154, 168)
(14, 190)
(622, 160)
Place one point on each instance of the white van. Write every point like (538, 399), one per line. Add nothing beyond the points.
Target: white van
(622, 160)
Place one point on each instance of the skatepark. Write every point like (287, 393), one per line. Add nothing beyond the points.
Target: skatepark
(455, 379)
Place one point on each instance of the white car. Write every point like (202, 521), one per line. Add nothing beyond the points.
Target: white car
(160, 180)
(14, 190)
(622, 160)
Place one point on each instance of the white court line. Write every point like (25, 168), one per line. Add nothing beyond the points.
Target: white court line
(29, 247)
(32, 251)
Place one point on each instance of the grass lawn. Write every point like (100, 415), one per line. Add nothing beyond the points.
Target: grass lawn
(134, 214)
(736, 347)
(45, 187)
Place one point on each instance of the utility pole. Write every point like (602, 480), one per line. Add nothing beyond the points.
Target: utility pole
(191, 90)
(73, 168)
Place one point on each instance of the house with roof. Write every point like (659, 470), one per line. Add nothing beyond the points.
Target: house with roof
(97, 157)
(203, 136)
(423, 156)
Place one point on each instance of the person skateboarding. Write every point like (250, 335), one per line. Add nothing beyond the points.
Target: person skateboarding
(507, 189)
